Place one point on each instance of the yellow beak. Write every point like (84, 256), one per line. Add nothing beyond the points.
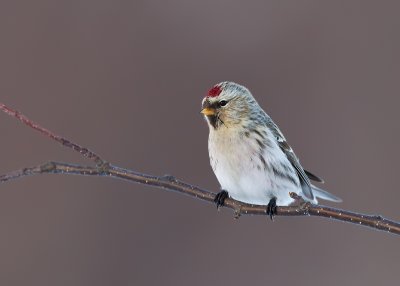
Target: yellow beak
(208, 111)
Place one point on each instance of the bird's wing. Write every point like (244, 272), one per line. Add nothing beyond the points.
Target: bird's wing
(288, 151)
(313, 177)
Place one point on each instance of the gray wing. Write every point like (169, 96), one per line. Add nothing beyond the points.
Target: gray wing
(288, 151)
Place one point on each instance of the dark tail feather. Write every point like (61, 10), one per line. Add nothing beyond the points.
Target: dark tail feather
(313, 177)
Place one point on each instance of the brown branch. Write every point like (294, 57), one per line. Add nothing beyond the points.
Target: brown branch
(67, 143)
(170, 183)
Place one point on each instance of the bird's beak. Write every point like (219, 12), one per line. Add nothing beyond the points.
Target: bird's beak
(208, 111)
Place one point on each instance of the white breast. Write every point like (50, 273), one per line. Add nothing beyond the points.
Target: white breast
(236, 162)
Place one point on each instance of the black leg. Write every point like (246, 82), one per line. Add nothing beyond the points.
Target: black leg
(220, 198)
(271, 208)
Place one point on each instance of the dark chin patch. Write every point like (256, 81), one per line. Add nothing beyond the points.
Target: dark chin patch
(213, 120)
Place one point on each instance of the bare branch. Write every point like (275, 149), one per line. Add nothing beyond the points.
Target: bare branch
(67, 143)
(170, 183)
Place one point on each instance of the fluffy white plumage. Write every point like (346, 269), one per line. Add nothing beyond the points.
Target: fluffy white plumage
(249, 154)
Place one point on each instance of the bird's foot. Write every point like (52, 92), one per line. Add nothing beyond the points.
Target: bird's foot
(220, 198)
(271, 208)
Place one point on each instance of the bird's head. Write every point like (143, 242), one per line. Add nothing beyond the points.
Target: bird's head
(227, 104)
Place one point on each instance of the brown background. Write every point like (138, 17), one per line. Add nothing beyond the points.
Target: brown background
(126, 79)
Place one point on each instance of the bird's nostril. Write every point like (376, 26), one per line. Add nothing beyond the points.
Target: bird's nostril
(206, 104)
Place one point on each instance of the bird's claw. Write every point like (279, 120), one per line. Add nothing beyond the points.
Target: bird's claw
(271, 208)
(220, 198)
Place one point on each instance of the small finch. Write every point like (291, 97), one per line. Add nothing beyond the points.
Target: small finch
(249, 154)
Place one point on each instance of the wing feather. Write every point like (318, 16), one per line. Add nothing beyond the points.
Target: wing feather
(288, 151)
(313, 177)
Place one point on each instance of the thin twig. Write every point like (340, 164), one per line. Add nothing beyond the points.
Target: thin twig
(170, 183)
(67, 143)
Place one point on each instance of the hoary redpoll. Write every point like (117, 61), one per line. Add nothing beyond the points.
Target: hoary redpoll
(249, 154)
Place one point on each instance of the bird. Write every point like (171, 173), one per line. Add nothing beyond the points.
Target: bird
(249, 154)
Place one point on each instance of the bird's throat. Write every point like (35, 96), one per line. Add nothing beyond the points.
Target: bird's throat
(214, 121)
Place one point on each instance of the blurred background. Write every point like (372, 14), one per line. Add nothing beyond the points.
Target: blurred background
(126, 79)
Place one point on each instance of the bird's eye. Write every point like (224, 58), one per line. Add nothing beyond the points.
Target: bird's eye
(223, 103)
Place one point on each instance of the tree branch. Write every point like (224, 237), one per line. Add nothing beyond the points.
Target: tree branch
(171, 183)
(67, 143)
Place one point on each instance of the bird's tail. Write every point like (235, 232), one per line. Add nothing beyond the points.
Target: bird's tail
(322, 194)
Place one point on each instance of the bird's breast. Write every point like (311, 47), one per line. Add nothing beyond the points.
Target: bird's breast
(244, 169)
(235, 160)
